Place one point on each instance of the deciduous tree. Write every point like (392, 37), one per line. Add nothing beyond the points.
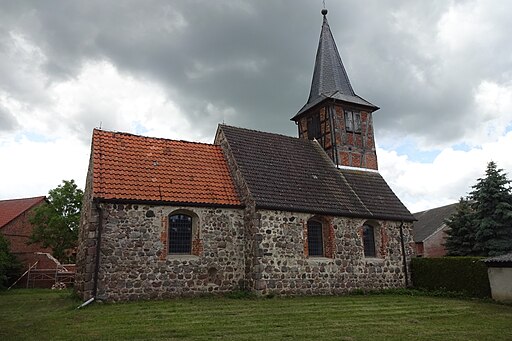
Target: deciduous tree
(56, 222)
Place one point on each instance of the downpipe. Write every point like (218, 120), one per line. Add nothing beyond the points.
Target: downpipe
(86, 303)
(98, 249)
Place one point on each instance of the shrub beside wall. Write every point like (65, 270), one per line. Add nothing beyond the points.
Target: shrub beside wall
(467, 275)
(9, 265)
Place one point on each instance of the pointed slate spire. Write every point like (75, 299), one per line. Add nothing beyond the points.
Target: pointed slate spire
(329, 74)
(330, 80)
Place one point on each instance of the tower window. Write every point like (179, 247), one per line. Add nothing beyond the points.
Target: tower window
(314, 131)
(353, 121)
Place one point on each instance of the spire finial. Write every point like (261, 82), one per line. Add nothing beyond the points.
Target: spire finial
(324, 10)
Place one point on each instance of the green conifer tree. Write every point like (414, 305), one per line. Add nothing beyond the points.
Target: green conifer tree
(461, 232)
(491, 202)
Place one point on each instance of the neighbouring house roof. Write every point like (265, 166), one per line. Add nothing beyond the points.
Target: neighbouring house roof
(137, 168)
(11, 209)
(330, 79)
(293, 174)
(499, 261)
(429, 221)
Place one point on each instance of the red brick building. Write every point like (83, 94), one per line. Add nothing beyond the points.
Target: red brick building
(429, 231)
(16, 227)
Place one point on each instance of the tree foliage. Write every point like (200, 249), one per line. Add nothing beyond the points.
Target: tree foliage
(482, 224)
(492, 212)
(461, 232)
(9, 265)
(56, 222)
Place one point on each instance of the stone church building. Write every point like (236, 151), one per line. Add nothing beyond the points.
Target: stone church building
(258, 211)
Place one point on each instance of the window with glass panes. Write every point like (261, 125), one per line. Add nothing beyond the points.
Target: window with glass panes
(369, 241)
(180, 234)
(352, 121)
(315, 239)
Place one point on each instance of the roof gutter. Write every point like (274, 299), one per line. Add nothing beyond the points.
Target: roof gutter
(404, 257)
(347, 214)
(165, 203)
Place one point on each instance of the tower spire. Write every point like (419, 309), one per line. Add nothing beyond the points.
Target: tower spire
(330, 79)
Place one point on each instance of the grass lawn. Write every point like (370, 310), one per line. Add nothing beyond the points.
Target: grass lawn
(51, 315)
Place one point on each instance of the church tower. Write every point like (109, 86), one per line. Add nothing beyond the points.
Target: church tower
(334, 115)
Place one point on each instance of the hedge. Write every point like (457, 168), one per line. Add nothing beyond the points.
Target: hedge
(467, 275)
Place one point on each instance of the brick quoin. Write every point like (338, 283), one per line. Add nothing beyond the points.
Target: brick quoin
(197, 245)
(305, 234)
(384, 242)
(330, 244)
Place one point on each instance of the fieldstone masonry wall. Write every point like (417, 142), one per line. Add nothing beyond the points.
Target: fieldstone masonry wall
(134, 262)
(283, 267)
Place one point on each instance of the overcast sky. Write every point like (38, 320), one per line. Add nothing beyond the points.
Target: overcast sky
(441, 72)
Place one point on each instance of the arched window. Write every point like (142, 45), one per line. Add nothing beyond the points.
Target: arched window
(369, 241)
(180, 234)
(315, 238)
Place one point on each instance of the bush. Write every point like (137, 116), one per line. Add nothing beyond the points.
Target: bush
(9, 265)
(467, 275)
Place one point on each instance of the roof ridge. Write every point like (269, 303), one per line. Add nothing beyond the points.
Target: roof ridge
(435, 208)
(19, 199)
(151, 137)
(267, 133)
(32, 204)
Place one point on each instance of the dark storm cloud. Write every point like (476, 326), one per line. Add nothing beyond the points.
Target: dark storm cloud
(257, 56)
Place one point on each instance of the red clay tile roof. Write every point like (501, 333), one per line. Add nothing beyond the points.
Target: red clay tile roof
(10, 209)
(138, 168)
